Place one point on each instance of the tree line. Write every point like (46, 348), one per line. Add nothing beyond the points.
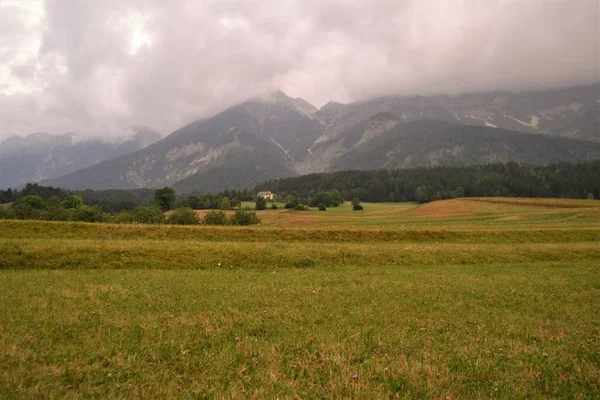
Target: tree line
(422, 185)
(36, 202)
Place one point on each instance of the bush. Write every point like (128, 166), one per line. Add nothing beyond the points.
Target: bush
(89, 214)
(261, 203)
(143, 215)
(215, 217)
(32, 200)
(57, 213)
(244, 217)
(301, 207)
(322, 207)
(72, 202)
(355, 201)
(183, 216)
(357, 207)
(274, 206)
(6, 213)
(26, 211)
(225, 204)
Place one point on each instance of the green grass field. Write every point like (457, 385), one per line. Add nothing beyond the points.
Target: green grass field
(495, 298)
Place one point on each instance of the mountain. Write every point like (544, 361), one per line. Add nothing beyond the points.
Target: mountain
(244, 145)
(274, 136)
(430, 143)
(41, 156)
(570, 112)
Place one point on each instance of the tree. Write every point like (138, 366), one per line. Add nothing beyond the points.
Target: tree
(225, 204)
(422, 194)
(72, 202)
(33, 200)
(355, 201)
(165, 198)
(261, 203)
(195, 202)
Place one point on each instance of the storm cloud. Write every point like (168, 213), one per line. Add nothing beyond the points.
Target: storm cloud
(98, 67)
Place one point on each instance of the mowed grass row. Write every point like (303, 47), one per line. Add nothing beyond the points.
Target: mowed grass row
(152, 254)
(509, 330)
(460, 234)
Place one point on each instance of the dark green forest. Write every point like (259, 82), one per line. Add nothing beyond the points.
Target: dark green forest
(428, 184)
(561, 180)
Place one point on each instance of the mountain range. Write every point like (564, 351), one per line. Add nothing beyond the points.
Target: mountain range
(279, 136)
(42, 156)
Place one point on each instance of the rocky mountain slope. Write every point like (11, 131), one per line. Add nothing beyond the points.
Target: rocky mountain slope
(277, 136)
(41, 156)
(571, 112)
(239, 147)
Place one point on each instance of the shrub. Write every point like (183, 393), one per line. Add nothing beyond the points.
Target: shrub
(244, 216)
(6, 213)
(357, 207)
(355, 201)
(144, 215)
(274, 206)
(26, 211)
(183, 216)
(72, 202)
(322, 207)
(225, 204)
(57, 213)
(89, 214)
(33, 201)
(301, 207)
(215, 217)
(261, 203)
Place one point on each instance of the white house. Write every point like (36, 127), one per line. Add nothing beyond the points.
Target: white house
(266, 195)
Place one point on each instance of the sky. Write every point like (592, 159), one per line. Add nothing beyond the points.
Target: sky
(98, 67)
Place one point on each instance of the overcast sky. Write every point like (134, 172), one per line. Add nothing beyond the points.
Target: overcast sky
(96, 67)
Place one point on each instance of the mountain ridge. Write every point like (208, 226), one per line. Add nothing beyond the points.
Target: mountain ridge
(275, 135)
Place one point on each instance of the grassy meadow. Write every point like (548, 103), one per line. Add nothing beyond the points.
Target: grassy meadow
(477, 298)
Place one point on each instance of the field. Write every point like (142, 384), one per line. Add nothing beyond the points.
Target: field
(478, 298)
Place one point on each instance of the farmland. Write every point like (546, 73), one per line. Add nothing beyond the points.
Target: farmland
(477, 298)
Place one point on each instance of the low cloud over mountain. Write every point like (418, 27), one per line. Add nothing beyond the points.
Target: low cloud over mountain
(101, 66)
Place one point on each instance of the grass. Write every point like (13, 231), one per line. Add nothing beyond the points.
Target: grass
(474, 306)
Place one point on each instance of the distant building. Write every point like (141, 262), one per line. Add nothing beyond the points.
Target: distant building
(266, 195)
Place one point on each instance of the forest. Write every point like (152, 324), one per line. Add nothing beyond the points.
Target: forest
(423, 185)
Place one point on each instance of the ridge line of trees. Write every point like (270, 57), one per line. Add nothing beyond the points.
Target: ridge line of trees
(562, 180)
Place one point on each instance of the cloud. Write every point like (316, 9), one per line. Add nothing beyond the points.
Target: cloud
(96, 68)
